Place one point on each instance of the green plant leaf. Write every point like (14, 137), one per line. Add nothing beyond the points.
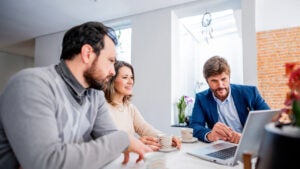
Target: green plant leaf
(296, 112)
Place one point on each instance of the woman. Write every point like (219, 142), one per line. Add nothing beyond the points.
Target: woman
(125, 115)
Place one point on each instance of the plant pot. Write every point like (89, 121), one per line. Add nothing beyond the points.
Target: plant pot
(279, 148)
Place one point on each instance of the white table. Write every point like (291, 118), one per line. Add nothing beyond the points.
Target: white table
(178, 159)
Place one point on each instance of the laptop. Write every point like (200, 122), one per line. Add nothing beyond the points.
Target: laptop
(227, 153)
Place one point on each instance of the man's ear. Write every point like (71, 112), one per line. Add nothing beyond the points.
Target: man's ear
(86, 53)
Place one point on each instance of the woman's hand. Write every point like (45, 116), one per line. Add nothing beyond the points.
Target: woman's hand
(151, 141)
(176, 142)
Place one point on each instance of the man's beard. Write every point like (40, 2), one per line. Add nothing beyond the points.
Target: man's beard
(89, 75)
(219, 96)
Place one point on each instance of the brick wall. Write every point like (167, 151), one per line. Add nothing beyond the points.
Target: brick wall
(274, 49)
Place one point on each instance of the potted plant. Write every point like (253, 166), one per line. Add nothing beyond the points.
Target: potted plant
(281, 141)
(182, 104)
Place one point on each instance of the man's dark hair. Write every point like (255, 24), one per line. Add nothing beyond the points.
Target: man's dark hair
(91, 33)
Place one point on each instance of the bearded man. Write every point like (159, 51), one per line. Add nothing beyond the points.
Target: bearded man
(57, 116)
(220, 112)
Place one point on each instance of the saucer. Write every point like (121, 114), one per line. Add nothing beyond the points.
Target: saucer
(194, 139)
(167, 149)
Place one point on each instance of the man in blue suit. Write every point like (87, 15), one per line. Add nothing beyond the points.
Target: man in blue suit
(220, 112)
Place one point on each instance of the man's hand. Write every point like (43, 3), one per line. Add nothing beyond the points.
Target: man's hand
(220, 131)
(135, 146)
(235, 138)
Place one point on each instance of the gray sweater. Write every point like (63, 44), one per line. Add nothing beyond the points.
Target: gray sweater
(43, 127)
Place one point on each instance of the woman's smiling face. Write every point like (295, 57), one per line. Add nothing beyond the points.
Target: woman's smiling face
(124, 81)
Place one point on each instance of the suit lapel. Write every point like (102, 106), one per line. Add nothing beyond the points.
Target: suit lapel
(238, 102)
(212, 106)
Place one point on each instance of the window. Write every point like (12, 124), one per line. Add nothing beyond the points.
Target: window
(124, 46)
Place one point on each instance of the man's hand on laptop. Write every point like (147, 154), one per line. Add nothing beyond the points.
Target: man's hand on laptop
(235, 138)
(221, 131)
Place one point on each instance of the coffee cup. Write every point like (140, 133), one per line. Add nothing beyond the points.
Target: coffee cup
(165, 141)
(186, 133)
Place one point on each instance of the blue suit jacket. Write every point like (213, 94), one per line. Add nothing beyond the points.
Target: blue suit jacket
(246, 98)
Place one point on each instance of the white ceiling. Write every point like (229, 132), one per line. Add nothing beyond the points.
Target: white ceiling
(23, 20)
(222, 23)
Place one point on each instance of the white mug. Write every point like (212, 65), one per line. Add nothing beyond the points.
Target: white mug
(186, 133)
(165, 141)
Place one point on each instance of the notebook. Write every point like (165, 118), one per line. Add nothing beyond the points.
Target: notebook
(227, 153)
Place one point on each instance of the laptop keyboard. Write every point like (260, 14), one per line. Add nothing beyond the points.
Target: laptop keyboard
(224, 154)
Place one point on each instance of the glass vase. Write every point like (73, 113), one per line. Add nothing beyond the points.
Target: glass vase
(181, 116)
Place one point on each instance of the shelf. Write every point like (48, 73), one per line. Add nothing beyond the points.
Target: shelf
(179, 125)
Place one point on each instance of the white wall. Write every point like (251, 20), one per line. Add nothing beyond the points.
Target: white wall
(277, 14)
(249, 42)
(151, 58)
(10, 64)
(48, 49)
(175, 66)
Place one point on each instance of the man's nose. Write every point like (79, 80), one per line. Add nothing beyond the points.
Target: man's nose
(220, 83)
(112, 71)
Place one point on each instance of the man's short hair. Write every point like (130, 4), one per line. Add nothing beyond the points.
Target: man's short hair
(91, 33)
(214, 66)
